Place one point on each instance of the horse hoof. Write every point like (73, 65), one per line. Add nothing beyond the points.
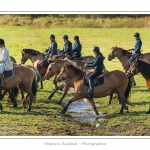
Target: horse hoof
(148, 112)
(15, 106)
(59, 103)
(29, 109)
(120, 113)
(126, 108)
(134, 84)
(50, 97)
(63, 112)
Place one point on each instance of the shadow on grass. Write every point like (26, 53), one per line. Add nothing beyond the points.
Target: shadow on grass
(140, 103)
(127, 114)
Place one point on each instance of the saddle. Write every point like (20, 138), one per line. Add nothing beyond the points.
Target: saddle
(97, 81)
(8, 74)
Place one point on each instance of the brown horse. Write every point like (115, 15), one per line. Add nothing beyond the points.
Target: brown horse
(113, 81)
(24, 77)
(124, 55)
(15, 90)
(142, 67)
(35, 57)
(55, 68)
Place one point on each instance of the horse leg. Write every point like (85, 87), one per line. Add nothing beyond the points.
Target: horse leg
(41, 84)
(91, 101)
(55, 82)
(133, 81)
(148, 112)
(110, 98)
(30, 95)
(123, 100)
(1, 107)
(3, 94)
(13, 99)
(75, 98)
(22, 94)
(66, 88)
(56, 89)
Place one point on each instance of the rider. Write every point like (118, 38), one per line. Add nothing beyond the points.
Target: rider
(99, 66)
(52, 50)
(67, 49)
(76, 49)
(137, 48)
(5, 63)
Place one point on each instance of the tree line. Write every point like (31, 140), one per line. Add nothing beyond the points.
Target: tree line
(87, 16)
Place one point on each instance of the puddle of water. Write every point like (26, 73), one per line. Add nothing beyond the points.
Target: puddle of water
(82, 110)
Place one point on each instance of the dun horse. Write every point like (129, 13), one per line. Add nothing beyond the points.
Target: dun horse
(142, 67)
(35, 57)
(55, 68)
(24, 78)
(113, 81)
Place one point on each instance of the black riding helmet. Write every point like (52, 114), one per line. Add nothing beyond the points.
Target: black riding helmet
(96, 49)
(136, 34)
(76, 37)
(65, 37)
(2, 41)
(52, 36)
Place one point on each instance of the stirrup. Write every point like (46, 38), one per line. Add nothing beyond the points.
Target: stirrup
(90, 92)
(1, 86)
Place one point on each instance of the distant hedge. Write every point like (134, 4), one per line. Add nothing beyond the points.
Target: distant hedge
(77, 20)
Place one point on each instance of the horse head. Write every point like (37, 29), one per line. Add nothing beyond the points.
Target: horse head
(133, 70)
(24, 56)
(112, 54)
(64, 72)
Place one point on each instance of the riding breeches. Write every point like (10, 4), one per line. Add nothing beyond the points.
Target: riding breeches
(133, 57)
(95, 74)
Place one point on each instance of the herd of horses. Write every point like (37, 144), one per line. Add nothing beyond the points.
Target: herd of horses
(73, 74)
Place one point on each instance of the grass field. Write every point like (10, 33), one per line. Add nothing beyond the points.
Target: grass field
(45, 118)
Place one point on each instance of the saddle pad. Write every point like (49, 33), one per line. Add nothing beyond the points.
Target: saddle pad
(8, 74)
(97, 81)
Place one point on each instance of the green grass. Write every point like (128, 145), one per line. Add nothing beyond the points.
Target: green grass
(45, 118)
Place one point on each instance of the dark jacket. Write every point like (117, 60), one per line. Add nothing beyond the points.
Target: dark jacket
(76, 49)
(52, 50)
(67, 49)
(97, 63)
(138, 46)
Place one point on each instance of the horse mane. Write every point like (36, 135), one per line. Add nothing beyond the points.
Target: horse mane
(124, 52)
(32, 52)
(45, 64)
(78, 71)
(59, 60)
(144, 69)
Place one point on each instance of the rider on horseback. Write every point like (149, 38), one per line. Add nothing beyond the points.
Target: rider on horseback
(99, 66)
(52, 50)
(5, 63)
(137, 48)
(76, 49)
(67, 49)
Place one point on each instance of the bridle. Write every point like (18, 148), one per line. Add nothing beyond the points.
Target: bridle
(132, 70)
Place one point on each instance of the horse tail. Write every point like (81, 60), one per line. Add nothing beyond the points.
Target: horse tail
(128, 91)
(34, 87)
